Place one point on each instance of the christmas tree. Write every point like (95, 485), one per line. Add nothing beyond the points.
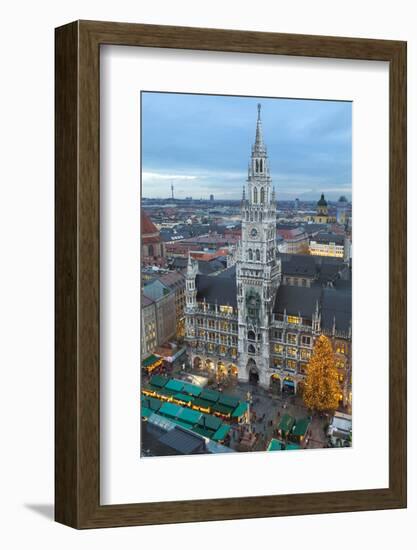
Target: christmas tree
(322, 390)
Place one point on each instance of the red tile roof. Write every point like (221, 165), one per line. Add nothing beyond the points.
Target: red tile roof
(147, 226)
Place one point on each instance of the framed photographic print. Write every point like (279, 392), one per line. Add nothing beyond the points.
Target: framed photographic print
(230, 274)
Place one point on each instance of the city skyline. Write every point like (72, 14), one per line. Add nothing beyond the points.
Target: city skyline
(200, 143)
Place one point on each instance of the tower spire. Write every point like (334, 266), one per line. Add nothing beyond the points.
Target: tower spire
(259, 146)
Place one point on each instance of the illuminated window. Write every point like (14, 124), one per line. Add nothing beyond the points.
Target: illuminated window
(226, 309)
(222, 349)
(294, 320)
(277, 363)
(292, 352)
(292, 365)
(225, 326)
(278, 348)
(341, 347)
(305, 354)
(291, 338)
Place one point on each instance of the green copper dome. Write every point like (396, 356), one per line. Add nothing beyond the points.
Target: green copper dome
(322, 201)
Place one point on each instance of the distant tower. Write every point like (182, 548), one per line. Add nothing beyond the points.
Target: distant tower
(172, 190)
(341, 210)
(258, 271)
(297, 205)
(211, 198)
(322, 209)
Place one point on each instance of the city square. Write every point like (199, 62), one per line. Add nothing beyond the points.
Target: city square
(246, 319)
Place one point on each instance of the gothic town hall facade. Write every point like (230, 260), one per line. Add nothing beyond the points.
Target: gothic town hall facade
(245, 322)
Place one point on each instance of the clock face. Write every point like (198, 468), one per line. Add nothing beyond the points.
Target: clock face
(253, 232)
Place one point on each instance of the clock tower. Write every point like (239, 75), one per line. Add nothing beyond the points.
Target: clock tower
(258, 271)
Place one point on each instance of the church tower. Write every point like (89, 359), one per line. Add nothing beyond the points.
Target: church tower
(258, 271)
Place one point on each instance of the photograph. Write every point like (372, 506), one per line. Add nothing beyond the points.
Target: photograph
(246, 274)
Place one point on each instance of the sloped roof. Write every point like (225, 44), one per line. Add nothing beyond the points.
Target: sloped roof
(219, 288)
(337, 306)
(147, 227)
(297, 300)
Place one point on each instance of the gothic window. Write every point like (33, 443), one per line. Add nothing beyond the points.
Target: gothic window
(260, 165)
(251, 216)
(257, 166)
(260, 216)
(255, 194)
(250, 254)
(256, 216)
(262, 195)
(251, 335)
(150, 250)
(247, 216)
(258, 256)
(251, 348)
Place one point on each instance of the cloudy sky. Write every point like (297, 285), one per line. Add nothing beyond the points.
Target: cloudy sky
(202, 145)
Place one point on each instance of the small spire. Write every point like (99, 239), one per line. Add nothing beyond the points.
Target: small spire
(259, 147)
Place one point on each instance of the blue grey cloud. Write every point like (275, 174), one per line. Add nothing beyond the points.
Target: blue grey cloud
(202, 145)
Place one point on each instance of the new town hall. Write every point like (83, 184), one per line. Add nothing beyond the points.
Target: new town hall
(245, 322)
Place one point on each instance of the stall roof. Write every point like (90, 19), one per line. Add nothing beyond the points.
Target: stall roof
(190, 416)
(158, 381)
(184, 397)
(229, 401)
(150, 360)
(210, 422)
(198, 402)
(275, 445)
(151, 403)
(192, 389)
(301, 427)
(170, 409)
(286, 423)
(145, 412)
(221, 433)
(222, 409)
(240, 410)
(210, 395)
(203, 431)
(292, 447)
(175, 385)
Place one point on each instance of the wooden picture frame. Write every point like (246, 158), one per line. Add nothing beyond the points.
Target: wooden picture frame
(77, 406)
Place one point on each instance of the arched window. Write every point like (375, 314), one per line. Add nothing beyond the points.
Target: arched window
(150, 250)
(251, 216)
(251, 335)
(262, 195)
(260, 216)
(260, 165)
(255, 194)
(256, 215)
(256, 166)
(258, 256)
(250, 254)
(251, 348)
(247, 216)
